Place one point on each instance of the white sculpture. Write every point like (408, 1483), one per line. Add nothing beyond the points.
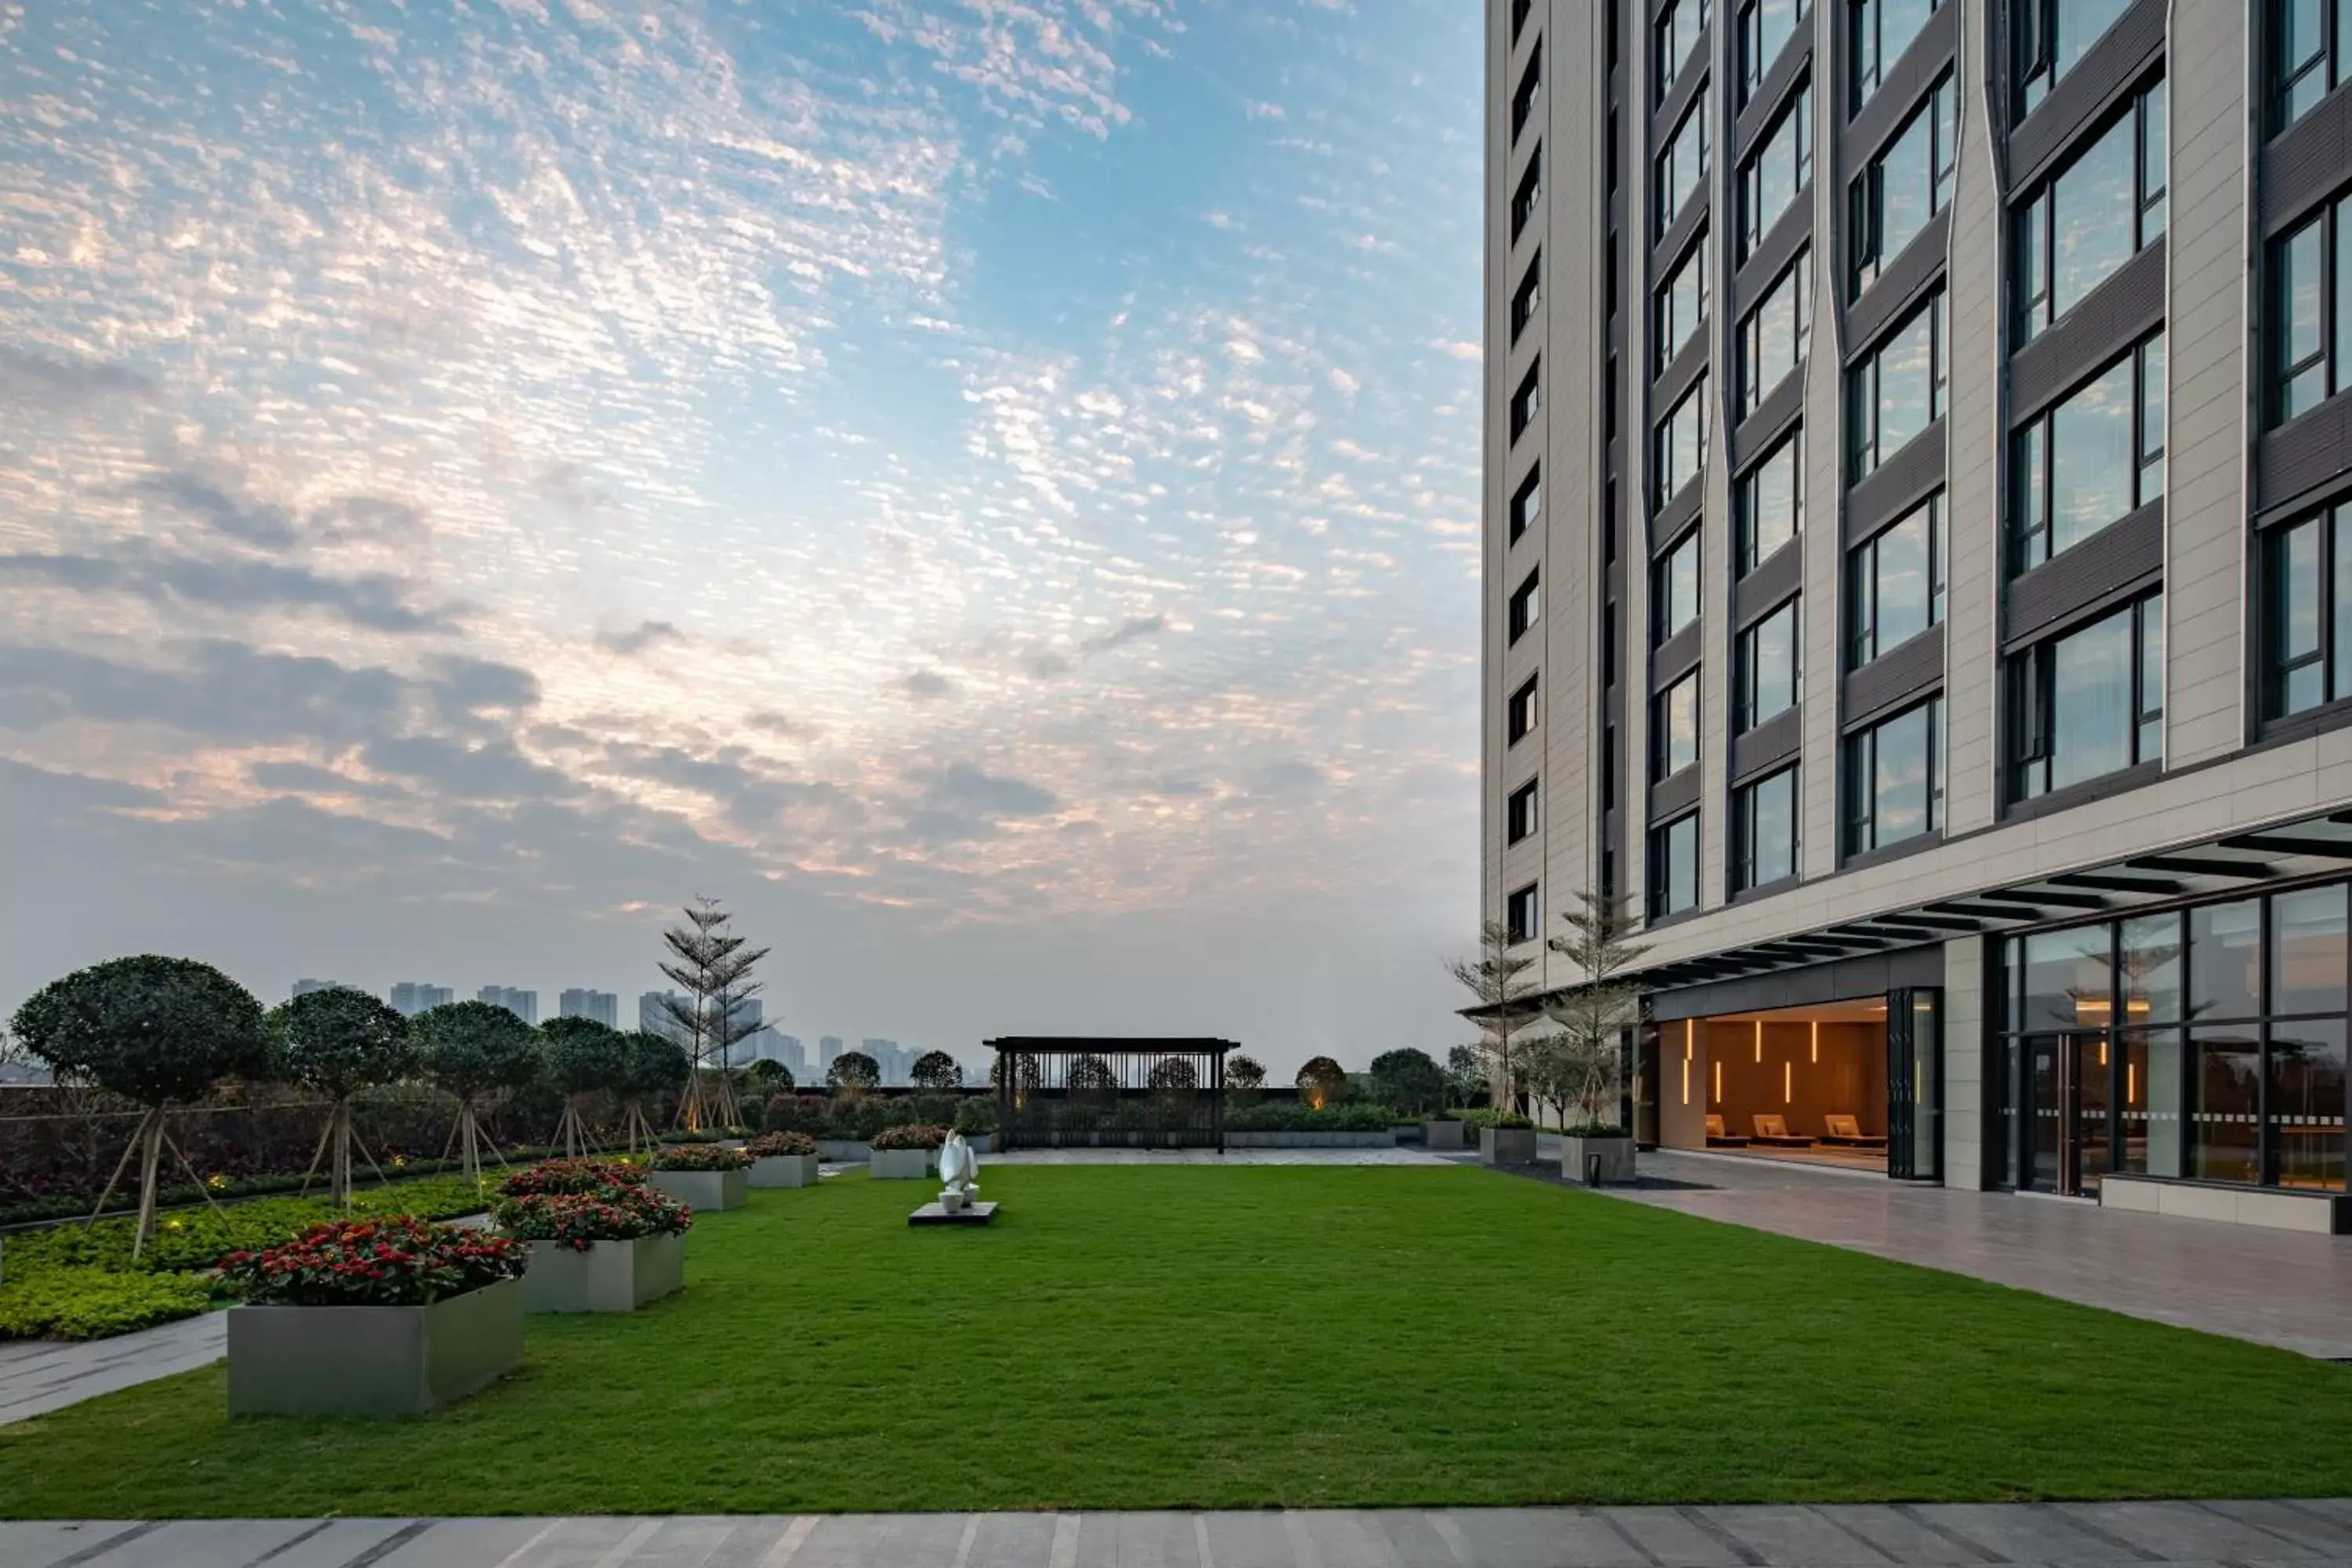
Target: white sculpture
(959, 1173)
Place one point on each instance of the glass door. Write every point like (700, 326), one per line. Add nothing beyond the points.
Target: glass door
(1915, 1085)
(2064, 1093)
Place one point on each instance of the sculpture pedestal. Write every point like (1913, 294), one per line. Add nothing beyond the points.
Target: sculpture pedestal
(935, 1213)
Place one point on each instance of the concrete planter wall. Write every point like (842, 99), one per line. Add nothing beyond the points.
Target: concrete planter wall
(1405, 1133)
(1444, 1134)
(1615, 1154)
(844, 1150)
(901, 1164)
(610, 1276)
(1506, 1145)
(706, 1191)
(1384, 1139)
(785, 1171)
(372, 1360)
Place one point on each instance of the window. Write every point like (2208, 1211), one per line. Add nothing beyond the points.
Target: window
(1673, 867)
(1770, 505)
(1527, 605)
(1530, 296)
(1895, 583)
(1894, 779)
(1682, 167)
(1767, 669)
(1528, 402)
(1680, 445)
(1775, 172)
(1521, 11)
(1682, 303)
(1531, 191)
(1519, 813)
(2092, 216)
(2088, 703)
(2311, 313)
(1521, 916)
(1673, 588)
(1899, 390)
(1680, 29)
(1908, 183)
(2092, 460)
(1772, 338)
(1881, 30)
(1765, 28)
(1520, 721)
(2050, 37)
(1526, 503)
(2307, 613)
(2310, 43)
(1530, 94)
(1764, 831)
(1674, 727)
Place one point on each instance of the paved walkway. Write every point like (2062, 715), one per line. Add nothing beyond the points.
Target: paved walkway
(2243, 1534)
(40, 1376)
(2275, 1288)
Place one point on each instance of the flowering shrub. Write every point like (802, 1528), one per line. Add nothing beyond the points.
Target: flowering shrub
(572, 1176)
(701, 1157)
(975, 1118)
(579, 1220)
(769, 1145)
(914, 1137)
(397, 1262)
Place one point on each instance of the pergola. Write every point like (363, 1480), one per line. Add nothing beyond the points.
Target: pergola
(1074, 1091)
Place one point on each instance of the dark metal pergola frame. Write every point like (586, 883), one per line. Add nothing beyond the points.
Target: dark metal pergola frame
(1066, 1090)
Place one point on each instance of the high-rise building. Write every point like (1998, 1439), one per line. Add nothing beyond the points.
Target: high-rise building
(601, 1006)
(1919, 575)
(655, 1018)
(787, 1049)
(523, 1005)
(887, 1060)
(828, 1051)
(411, 997)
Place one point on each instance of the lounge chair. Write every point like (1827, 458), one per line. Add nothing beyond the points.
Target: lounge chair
(1772, 1132)
(1717, 1138)
(1845, 1133)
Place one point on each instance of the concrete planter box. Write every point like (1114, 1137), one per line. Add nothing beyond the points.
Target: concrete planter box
(372, 1360)
(901, 1164)
(1444, 1134)
(1384, 1139)
(982, 1142)
(1506, 1145)
(2317, 1213)
(1615, 1154)
(844, 1150)
(1405, 1133)
(705, 1192)
(610, 1276)
(785, 1171)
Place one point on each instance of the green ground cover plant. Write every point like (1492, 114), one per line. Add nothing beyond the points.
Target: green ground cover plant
(1145, 1337)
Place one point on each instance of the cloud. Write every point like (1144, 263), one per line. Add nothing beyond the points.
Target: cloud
(375, 601)
(1133, 629)
(927, 686)
(493, 769)
(962, 803)
(220, 690)
(769, 721)
(41, 380)
(647, 634)
(464, 687)
(250, 522)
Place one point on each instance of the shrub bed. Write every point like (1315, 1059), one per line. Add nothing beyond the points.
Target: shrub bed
(910, 1136)
(1281, 1117)
(572, 1176)
(779, 1146)
(579, 1220)
(398, 1262)
(700, 1157)
(976, 1117)
(96, 1303)
(1487, 1116)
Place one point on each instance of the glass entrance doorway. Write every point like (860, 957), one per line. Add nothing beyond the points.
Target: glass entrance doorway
(2067, 1082)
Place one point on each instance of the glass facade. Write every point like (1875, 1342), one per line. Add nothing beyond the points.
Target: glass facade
(2091, 461)
(1906, 185)
(1765, 28)
(2311, 313)
(2048, 38)
(1772, 338)
(2088, 703)
(2099, 212)
(1776, 171)
(2205, 1044)
(2310, 40)
(1674, 727)
(1682, 303)
(1682, 167)
(1681, 25)
(1895, 583)
(1673, 867)
(2307, 617)
(1768, 672)
(1770, 505)
(1764, 828)
(1894, 779)
(1680, 445)
(1673, 588)
(1878, 31)
(1898, 391)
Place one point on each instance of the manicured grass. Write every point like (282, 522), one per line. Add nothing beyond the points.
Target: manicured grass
(1134, 1337)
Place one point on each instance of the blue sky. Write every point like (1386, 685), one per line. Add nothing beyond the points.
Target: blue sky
(988, 488)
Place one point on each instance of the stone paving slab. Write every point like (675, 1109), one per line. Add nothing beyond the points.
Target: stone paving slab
(42, 1375)
(2234, 1535)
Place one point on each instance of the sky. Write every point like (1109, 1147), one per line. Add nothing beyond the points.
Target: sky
(986, 489)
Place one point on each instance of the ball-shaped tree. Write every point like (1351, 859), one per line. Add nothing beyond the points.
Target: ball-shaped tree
(337, 1042)
(155, 1030)
(470, 1049)
(584, 1056)
(1245, 1078)
(852, 1070)
(769, 1073)
(1409, 1081)
(1321, 1081)
(1173, 1074)
(1091, 1078)
(937, 1070)
(657, 1066)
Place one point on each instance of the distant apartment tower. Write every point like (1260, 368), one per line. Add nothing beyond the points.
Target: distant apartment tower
(787, 1049)
(654, 1017)
(523, 1005)
(828, 1051)
(411, 997)
(889, 1061)
(597, 1007)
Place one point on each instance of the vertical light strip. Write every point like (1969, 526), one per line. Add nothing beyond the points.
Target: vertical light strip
(1759, 1041)
(1788, 1083)
(1685, 1080)
(1817, 1042)
(1718, 1083)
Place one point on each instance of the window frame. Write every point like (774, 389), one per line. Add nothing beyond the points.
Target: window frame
(1523, 713)
(1696, 262)
(1527, 298)
(2034, 67)
(1746, 557)
(1938, 115)
(1752, 389)
(2035, 223)
(1744, 671)
(1669, 157)
(1528, 93)
(1669, 22)
(1523, 915)
(1694, 402)
(1861, 644)
(2029, 749)
(1744, 878)
(1662, 865)
(1528, 193)
(1662, 567)
(1859, 784)
(1756, 57)
(1866, 451)
(2332, 62)
(1522, 812)
(1683, 688)
(1863, 79)
(1797, 113)
(1527, 401)
(2032, 531)
(1526, 504)
(2331, 652)
(1526, 608)
(2330, 223)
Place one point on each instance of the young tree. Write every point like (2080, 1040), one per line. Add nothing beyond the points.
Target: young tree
(1409, 1081)
(582, 1057)
(1091, 1078)
(1026, 1079)
(1590, 1014)
(1465, 1074)
(337, 1042)
(853, 1071)
(1321, 1081)
(713, 967)
(470, 1049)
(1245, 1078)
(656, 1065)
(937, 1070)
(158, 1031)
(1498, 977)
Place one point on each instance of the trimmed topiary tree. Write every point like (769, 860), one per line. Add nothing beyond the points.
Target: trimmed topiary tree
(160, 1031)
(937, 1070)
(1409, 1081)
(1245, 1078)
(583, 1058)
(657, 1066)
(470, 1049)
(1322, 1082)
(337, 1042)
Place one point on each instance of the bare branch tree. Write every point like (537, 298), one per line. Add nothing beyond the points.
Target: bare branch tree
(1506, 1005)
(1583, 1056)
(713, 967)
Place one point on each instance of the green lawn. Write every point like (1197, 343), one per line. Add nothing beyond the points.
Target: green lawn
(1132, 1337)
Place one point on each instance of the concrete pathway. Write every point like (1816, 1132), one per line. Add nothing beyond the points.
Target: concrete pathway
(2242, 1534)
(40, 1376)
